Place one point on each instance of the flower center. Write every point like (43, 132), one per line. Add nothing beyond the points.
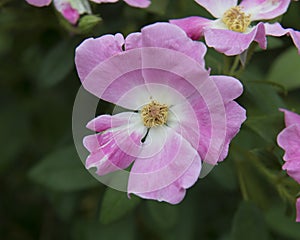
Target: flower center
(236, 20)
(154, 114)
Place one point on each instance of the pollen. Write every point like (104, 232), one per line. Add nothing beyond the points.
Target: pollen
(236, 20)
(154, 114)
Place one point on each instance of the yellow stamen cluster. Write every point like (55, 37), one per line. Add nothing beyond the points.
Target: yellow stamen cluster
(236, 20)
(154, 114)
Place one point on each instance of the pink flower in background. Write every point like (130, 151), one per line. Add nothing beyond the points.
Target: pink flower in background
(176, 117)
(289, 140)
(133, 3)
(71, 10)
(231, 32)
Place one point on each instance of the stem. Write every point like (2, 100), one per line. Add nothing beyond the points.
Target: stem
(234, 65)
(242, 182)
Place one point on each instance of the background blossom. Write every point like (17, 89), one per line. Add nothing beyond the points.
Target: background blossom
(232, 32)
(289, 140)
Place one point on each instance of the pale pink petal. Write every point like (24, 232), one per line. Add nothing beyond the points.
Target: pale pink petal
(172, 37)
(173, 167)
(104, 1)
(235, 116)
(68, 12)
(209, 123)
(94, 51)
(175, 192)
(289, 140)
(265, 9)
(133, 40)
(217, 7)
(234, 43)
(230, 88)
(138, 3)
(298, 210)
(292, 167)
(277, 30)
(113, 150)
(39, 3)
(193, 26)
(290, 118)
(104, 122)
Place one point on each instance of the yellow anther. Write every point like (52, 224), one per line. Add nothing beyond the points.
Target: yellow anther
(154, 114)
(236, 20)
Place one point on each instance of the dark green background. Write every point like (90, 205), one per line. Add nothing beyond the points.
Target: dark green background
(46, 193)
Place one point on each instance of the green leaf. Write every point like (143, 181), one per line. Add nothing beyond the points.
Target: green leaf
(88, 22)
(249, 224)
(285, 70)
(62, 171)
(163, 214)
(93, 230)
(266, 126)
(158, 6)
(115, 205)
(57, 64)
(280, 223)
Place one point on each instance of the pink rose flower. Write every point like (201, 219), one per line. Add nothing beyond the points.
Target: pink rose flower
(231, 32)
(133, 3)
(71, 10)
(289, 140)
(177, 119)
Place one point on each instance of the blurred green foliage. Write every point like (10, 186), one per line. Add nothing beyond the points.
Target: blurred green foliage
(46, 193)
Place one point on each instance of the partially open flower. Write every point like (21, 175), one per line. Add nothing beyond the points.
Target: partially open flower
(177, 118)
(234, 28)
(289, 140)
(133, 3)
(69, 9)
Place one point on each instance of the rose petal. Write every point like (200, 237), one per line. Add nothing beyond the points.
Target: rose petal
(217, 7)
(265, 9)
(138, 3)
(193, 26)
(172, 37)
(104, 122)
(68, 12)
(94, 51)
(176, 164)
(234, 43)
(277, 30)
(39, 3)
(113, 150)
(290, 118)
(292, 167)
(289, 140)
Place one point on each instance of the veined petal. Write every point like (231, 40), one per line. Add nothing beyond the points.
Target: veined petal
(289, 140)
(94, 51)
(290, 118)
(209, 123)
(277, 30)
(217, 7)
(104, 122)
(298, 210)
(168, 36)
(104, 1)
(173, 167)
(292, 167)
(265, 9)
(39, 3)
(234, 43)
(138, 3)
(193, 26)
(114, 149)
